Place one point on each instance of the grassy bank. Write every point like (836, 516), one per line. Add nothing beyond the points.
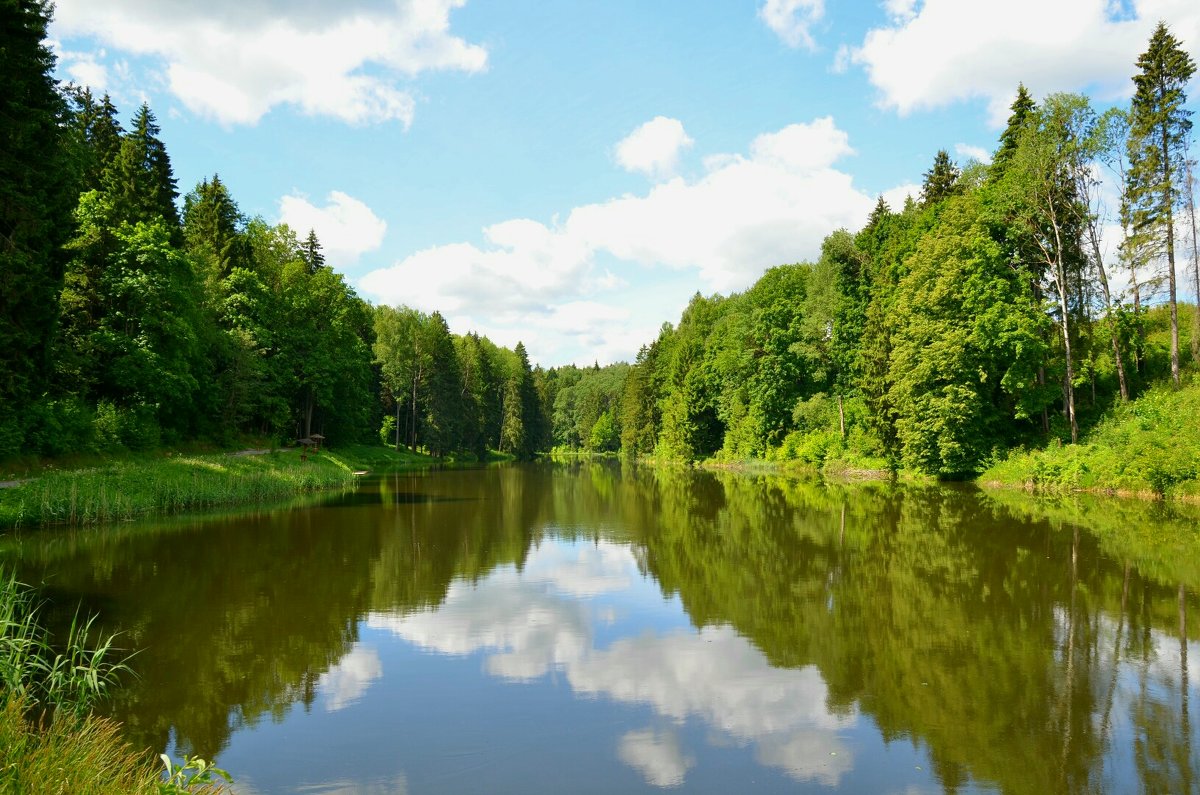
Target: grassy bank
(89, 490)
(126, 489)
(1149, 447)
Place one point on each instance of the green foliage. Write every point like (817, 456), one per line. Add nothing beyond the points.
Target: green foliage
(35, 200)
(967, 343)
(1150, 445)
(193, 775)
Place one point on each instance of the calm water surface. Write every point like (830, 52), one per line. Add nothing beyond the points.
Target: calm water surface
(593, 628)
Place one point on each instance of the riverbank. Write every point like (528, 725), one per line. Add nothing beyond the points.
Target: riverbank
(128, 488)
(1147, 448)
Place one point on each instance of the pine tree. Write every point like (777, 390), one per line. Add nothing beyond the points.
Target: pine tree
(941, 180)
(1157, 150)
(34, 211)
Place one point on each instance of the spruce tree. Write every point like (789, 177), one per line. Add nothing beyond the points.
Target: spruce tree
(34, 212)
(1021, 108)
(310, 249)
(941, 180)
(211, 230)
(140, 182)
(1157, 150)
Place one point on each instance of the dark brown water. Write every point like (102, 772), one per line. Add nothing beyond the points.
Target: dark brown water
(593, 628)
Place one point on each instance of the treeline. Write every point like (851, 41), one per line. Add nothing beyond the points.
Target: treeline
(983, 316)
(128, 324)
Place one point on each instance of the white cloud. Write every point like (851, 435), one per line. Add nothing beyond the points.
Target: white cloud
(744, 214)
(948, 51)
(969, 152)
(657, 755)
(346, 682)
(234, 61)
(792, 19)
(654, 147)
(895, 197)
(346, 227)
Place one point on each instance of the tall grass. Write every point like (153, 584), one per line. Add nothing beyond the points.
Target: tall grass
(73, 754)
(126, 490)
(50, 679)
(50, 742)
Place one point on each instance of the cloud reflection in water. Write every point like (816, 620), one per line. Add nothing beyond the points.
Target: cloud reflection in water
(544, 618)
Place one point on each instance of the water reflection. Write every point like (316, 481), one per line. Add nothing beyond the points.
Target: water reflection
(545, 627)
(533, 622)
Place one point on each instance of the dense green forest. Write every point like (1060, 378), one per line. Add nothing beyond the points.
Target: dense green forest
(1007, 306)
(131, 320)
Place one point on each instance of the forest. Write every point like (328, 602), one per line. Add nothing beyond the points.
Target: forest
(1008, 306)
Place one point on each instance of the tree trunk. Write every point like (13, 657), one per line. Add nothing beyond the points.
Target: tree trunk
(1191, 207)
(413, 428)
(1094, 239)
(397, 426)
(1170, 224)
(1060, 276)
(841, 417)
(308, 412)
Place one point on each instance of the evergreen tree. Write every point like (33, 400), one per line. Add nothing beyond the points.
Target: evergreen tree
(311, 251)
(211, 231)
(97, 133)
(1021, 107)
(35, 206)
(940, 180)
(1157, 151)
(140, 181)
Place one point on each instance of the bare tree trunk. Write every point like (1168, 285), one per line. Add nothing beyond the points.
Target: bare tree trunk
(841, 417)
(1094, 239)
(413, 428)
(1191, 208)
(1170, 224)
(1065, 325)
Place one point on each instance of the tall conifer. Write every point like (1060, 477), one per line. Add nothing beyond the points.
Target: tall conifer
(1157, 150)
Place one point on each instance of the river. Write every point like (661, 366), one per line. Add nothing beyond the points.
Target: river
(593, 627)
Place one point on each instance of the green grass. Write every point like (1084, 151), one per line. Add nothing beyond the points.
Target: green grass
(126, 489)
(1149, 446)
(79, 755)
(376, 458)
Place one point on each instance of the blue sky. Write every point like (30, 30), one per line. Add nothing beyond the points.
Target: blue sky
(570, 173)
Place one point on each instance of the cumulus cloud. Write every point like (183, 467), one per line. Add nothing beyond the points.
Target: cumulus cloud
(346, 227)
(969, 152)
(792, 19)
(654, 147)
(234, 61)
(938, 52)
(745, 213)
